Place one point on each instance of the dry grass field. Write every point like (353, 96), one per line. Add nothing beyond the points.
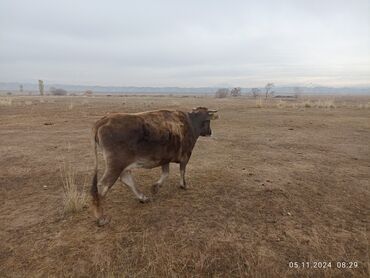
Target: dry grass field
(281, 181)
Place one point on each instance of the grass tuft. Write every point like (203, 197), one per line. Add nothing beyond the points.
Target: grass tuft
(281, 104)
(6, 101)
(364, 105)
(74, 195)
(325, 104)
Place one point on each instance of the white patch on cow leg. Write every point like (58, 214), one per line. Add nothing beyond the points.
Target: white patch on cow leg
(182, 176)
(127, 179)
(182, 179)
(164, 176)
(104, 191)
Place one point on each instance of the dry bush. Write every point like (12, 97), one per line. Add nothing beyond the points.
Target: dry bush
(281, 104)
(236, 92)
(304, 104)
(74, 195)
(364, 105)
(307, 104)
(325, 104)
(318, 104)
(6, 102)
(58, 92)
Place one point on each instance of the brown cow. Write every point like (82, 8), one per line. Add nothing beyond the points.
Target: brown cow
(145, 140)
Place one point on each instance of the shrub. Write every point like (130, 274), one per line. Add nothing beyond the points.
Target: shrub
(74, 195)
(325, 104)
(307, 104)
(236, 92)
(58, 92)
(222, 93)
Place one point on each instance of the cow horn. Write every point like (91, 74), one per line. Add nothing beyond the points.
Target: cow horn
(212, 111)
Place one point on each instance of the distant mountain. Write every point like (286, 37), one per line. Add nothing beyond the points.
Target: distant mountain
(30, 87)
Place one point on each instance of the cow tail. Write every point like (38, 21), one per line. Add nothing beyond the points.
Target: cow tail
(94, 186)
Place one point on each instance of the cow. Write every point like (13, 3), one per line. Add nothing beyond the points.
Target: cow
(144, 140)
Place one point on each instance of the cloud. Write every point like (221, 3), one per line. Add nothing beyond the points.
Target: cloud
(185, 43)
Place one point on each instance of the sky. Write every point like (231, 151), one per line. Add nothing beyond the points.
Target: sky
(186, 43)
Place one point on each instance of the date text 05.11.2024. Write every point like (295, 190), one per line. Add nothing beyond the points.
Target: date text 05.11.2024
(323, 264)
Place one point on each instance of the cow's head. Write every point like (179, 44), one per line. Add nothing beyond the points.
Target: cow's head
(201, 120)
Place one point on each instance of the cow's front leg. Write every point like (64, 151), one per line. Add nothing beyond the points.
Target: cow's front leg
(127, 179)
(164, 176)
(182, 175)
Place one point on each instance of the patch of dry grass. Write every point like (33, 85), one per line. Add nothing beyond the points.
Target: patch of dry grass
(364, 105)
(6, 101)
(281, 104)
(329, 103)
(74, 194)
(307, 104)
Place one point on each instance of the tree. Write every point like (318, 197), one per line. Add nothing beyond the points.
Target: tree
(21, 88)
(222, 93)
(268, 89)
(41, 87)
(255, 92)
(236, 92)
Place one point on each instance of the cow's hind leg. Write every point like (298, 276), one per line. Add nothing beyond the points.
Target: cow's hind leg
(126, 178)
(165, 173)
(182, 175)
(110, 176)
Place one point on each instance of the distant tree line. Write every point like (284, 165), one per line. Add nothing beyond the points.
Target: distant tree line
(255, 92)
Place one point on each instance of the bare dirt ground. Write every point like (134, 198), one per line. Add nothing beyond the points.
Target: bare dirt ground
(279, 182)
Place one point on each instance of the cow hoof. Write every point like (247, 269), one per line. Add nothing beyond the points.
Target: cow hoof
(144, 200)
(102, 221)
(183, 187)
(155, 188)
